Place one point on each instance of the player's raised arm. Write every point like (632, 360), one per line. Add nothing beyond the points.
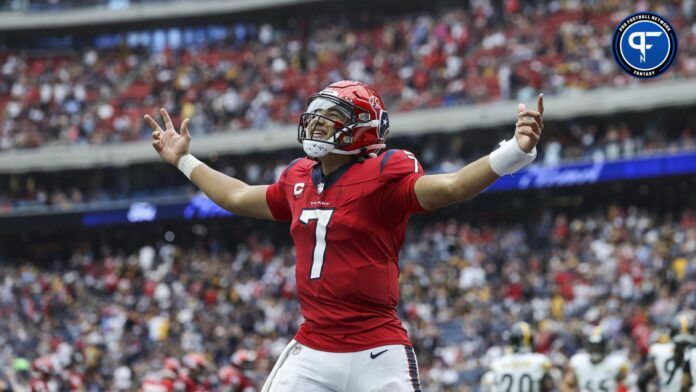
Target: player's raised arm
(230, 193)
(439, 190)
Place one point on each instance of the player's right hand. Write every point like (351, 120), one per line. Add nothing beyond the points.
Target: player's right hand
(169, 144)
(529, 125)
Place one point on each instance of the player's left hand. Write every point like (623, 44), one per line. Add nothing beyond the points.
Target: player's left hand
(529, 125)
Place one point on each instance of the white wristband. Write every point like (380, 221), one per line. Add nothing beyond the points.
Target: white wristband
(510, 158)
(187, 163)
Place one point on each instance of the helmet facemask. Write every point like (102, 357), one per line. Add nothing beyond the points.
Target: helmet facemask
(520, 338)
(597, 348)
(682, 330)
(326, 111)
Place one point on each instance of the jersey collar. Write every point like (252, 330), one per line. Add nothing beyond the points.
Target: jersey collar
(322, 182)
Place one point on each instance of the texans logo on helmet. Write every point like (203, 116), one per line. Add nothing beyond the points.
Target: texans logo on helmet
(383, 124)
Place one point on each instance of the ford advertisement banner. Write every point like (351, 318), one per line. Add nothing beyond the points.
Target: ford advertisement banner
(200, 206)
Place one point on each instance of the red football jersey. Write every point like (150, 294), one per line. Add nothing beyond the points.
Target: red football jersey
(348, 228)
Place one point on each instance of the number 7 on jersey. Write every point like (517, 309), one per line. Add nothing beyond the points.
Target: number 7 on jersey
(323, 217)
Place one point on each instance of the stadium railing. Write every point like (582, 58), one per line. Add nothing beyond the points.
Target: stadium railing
(20, 19)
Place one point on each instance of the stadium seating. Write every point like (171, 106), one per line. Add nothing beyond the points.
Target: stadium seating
(260, 74)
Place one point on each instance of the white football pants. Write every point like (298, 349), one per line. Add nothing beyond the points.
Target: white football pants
(390, 368)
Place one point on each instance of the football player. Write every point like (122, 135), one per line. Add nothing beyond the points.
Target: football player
(667, 360)
(683, 331)
(596, 370)
(348, 203)
(689, 379)
(521, 369)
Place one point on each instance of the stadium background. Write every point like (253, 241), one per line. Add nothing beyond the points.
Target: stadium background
(110, 260)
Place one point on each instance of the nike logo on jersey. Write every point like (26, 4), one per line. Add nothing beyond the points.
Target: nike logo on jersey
(373, 356)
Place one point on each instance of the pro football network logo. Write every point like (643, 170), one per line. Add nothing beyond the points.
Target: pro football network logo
(645, 45)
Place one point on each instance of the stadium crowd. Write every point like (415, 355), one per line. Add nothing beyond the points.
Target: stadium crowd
(595, 139)
(216, 312)
(113, 318)
(252, 75)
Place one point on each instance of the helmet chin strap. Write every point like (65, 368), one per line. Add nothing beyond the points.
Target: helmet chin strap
(319, 149)
(360, 150)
